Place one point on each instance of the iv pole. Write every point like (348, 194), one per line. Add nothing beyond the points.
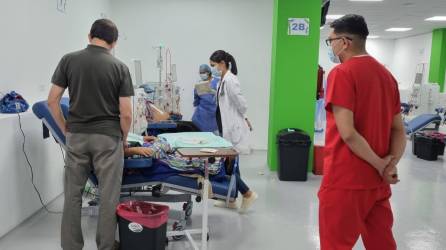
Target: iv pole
(159, 63)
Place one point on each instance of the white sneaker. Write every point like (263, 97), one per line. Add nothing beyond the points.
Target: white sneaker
(247, 202)
(222, 204)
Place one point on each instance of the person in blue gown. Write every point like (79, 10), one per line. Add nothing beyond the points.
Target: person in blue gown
(205, 101)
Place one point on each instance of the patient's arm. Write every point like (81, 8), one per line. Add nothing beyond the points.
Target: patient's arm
(141, 151)
(150, 138)
(158, 114)
(157, 150)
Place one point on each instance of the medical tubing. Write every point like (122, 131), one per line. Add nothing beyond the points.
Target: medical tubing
(61, 151)
(31, 169)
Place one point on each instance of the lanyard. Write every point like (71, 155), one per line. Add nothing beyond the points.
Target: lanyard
(220, 90)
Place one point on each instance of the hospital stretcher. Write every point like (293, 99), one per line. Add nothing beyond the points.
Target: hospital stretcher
(171, 126)
(159, 179)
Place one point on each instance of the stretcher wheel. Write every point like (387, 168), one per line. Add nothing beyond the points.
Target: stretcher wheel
(187, 208)
(178, 227)
(198, 199)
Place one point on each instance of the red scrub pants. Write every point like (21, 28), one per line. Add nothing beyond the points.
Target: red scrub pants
(344, 215)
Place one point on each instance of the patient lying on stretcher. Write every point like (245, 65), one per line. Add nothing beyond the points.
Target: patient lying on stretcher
(161, 150)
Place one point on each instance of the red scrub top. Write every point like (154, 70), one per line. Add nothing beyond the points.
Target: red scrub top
(369, 90)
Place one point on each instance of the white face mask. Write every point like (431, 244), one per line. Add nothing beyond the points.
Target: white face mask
(216, 71)
(333, 57)
(204, 76)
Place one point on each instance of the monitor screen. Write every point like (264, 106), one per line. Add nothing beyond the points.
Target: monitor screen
(325, 7)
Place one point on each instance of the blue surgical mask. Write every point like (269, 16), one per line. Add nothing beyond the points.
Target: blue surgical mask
(204, 76)
(333, 57)
(216, 72)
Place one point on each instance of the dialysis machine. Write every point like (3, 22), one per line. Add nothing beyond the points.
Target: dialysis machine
(164, 94)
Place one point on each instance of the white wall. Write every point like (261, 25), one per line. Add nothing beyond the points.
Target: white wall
(34, 37)
(409, 52)
(381, 49)
(194, 29)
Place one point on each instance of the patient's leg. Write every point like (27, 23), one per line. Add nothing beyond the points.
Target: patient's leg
(108, 160)
(77, 170)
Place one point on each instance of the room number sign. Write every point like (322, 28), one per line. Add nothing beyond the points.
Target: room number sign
(298, 26)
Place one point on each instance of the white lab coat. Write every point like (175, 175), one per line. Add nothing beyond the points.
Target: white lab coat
(233, 109)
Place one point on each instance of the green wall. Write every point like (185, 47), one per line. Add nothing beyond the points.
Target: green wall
(438, 58)
(293, 73)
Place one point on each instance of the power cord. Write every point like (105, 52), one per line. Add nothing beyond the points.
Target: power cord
(61, 151)
(31, 168)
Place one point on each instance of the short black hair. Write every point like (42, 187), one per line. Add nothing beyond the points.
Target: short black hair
(351, 24)
(104, 29)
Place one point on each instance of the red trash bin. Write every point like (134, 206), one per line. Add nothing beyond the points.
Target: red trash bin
(142, 225)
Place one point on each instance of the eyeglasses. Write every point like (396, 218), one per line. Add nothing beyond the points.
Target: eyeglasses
(330, 40)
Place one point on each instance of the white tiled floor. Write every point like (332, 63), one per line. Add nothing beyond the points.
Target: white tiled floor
(285, 216)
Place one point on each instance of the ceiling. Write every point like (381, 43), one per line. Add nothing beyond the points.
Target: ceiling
(392, 13)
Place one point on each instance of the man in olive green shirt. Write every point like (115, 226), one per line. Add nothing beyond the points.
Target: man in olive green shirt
(99, 119)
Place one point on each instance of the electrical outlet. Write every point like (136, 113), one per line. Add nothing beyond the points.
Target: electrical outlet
(62, 6)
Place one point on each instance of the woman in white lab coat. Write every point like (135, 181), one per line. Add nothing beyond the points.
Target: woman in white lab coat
(232, 122)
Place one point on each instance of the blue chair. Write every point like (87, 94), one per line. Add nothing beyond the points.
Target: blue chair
(422, 122)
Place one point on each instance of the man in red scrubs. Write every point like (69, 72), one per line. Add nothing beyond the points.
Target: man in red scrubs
(365, 140)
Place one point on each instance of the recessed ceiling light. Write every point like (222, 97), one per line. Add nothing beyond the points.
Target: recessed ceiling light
(334, 16)
(373, 37)
(398, 29)
(408, 4)
(436, 18)
(366, 0)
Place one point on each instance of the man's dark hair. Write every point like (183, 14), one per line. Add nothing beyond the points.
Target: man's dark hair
(104, 29)
(351, 24)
